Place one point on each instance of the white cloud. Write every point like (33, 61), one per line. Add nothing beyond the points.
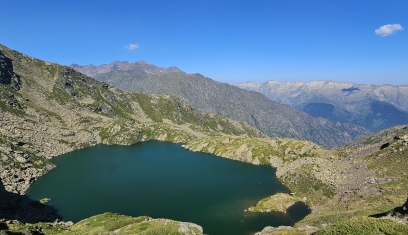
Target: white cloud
(132, 47)
(388, 29)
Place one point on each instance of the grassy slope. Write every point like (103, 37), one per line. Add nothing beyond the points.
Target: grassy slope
(107, 223)
(389, 166)
(366, 226)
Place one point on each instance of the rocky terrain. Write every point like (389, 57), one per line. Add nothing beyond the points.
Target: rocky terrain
(375, 107)
(207, 95)
(365, 177)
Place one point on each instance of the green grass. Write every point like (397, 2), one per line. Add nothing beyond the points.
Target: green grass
(107, 223)
(365, 226)
(277, 202)
(306, 185)
(59, 95)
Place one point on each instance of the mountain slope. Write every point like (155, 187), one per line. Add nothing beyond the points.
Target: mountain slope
(373, 107)
(48, 109)
(206, 95)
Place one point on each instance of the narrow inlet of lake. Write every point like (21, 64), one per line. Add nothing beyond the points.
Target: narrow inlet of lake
(162, 180)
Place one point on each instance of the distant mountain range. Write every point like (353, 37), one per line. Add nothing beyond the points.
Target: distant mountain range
(375, 107)
(207, 95)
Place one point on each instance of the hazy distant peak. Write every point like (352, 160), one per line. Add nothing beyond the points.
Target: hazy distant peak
(173, 69)
(75, 65)
(372, 106)
(141, 66)
(142, 62)
(250, 84)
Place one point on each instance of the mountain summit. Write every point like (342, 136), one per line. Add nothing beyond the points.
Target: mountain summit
(141, 66)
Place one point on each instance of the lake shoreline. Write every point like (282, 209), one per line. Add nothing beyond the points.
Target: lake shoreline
(180, 176)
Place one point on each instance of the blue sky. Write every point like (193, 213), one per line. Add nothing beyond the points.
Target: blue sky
(229, 41)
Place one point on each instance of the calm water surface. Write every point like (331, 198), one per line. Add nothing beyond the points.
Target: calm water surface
(161, 180)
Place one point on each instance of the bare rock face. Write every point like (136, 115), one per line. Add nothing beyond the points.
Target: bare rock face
(6, 71)
(405, 207)
(7, 76)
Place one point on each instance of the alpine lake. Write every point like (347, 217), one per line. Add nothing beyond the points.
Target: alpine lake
(162, 180)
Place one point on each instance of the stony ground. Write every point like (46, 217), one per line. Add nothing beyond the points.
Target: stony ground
(364, 178)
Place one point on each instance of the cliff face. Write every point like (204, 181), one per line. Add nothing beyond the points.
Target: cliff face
(7, 75)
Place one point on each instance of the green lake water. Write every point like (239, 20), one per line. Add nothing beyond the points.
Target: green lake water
(162, 180)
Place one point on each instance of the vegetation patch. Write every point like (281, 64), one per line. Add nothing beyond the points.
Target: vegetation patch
(365, 226)
(307, 185)
(278, 202)
(107, 223)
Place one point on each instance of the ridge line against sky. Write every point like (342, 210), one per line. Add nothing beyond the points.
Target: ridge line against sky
(294, 40)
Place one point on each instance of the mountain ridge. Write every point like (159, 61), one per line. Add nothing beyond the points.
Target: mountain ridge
(375, 107)
(393, 92)
(92, 70)
(207, 95)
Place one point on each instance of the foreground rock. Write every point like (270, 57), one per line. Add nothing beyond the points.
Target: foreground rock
(286, 230)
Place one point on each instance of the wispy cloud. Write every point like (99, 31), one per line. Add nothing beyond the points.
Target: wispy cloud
(388, 29)
(132, 47)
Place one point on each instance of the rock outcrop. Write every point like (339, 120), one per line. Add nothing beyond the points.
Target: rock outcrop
(7, 75)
